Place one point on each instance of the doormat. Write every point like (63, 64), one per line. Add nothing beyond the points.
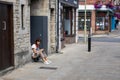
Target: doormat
(49, 68)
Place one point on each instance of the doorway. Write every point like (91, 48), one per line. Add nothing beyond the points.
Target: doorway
(39, 29)
(6, 36)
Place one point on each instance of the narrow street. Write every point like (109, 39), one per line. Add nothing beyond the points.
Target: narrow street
(58, 26)
(102, 63)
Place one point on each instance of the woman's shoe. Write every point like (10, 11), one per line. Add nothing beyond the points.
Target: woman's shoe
(46, 62)
(49, 61)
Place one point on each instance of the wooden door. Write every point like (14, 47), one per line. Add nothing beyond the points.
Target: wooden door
(5, 36)
(0, 41)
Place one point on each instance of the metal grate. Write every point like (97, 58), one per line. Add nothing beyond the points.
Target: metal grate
(50, 68)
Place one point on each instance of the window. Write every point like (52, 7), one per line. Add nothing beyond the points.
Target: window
(69, 22)
(81, 21)
(22, 17)
(101, 22)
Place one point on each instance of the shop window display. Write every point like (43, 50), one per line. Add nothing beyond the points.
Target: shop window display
(81, 21)
(101, 23)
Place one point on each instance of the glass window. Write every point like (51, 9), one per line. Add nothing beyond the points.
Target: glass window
(102, 22)
(100, 25)
(67, 21)
(81, 21)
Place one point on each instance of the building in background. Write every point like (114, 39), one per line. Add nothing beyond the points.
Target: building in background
(14, 34)
(100, 19)
(117, 12)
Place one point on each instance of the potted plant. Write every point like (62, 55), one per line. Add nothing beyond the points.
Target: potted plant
(118, 7)
(110, 5)
(98, 5)
(117, 14)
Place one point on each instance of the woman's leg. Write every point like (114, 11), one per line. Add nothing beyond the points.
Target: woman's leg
(42, 56)
(46, 58)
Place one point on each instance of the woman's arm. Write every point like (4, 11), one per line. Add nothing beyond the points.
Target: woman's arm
(34, 50)
(41, 50)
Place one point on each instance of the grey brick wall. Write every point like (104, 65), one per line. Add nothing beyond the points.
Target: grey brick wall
(21, 36)
(43, 8)
(53, 25)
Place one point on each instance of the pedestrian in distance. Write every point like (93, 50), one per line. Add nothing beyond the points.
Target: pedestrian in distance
(38, 53)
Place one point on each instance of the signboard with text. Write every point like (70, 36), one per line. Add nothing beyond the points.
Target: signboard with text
(73, 3)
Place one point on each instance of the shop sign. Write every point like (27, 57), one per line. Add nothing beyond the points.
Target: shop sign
(71, 2)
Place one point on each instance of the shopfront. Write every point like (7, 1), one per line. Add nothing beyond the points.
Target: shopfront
(67, 21)
(102, 23)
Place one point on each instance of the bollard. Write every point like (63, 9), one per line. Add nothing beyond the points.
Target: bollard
(89, 42)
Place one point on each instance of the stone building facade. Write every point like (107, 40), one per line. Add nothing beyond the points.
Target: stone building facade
(30, 19)
(21, 31)
(18, 33)
(46, 9)
(55, 26)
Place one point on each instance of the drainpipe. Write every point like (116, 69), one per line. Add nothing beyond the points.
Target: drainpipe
(85, 27)
(57, 26)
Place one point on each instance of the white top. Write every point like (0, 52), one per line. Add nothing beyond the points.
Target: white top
(35, 47)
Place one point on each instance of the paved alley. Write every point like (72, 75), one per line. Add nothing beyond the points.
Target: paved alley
(102, 63)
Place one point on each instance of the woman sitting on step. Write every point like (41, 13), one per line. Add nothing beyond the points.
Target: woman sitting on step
(39, 53)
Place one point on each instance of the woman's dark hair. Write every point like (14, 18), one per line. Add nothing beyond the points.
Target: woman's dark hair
(37, 40)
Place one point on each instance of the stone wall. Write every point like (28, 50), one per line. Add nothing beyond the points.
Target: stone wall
(46, 8)
(21, 35)
(21, 32)
(39, 8)
(53, 24)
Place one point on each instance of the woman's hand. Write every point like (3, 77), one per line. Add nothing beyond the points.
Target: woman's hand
(41, 50)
